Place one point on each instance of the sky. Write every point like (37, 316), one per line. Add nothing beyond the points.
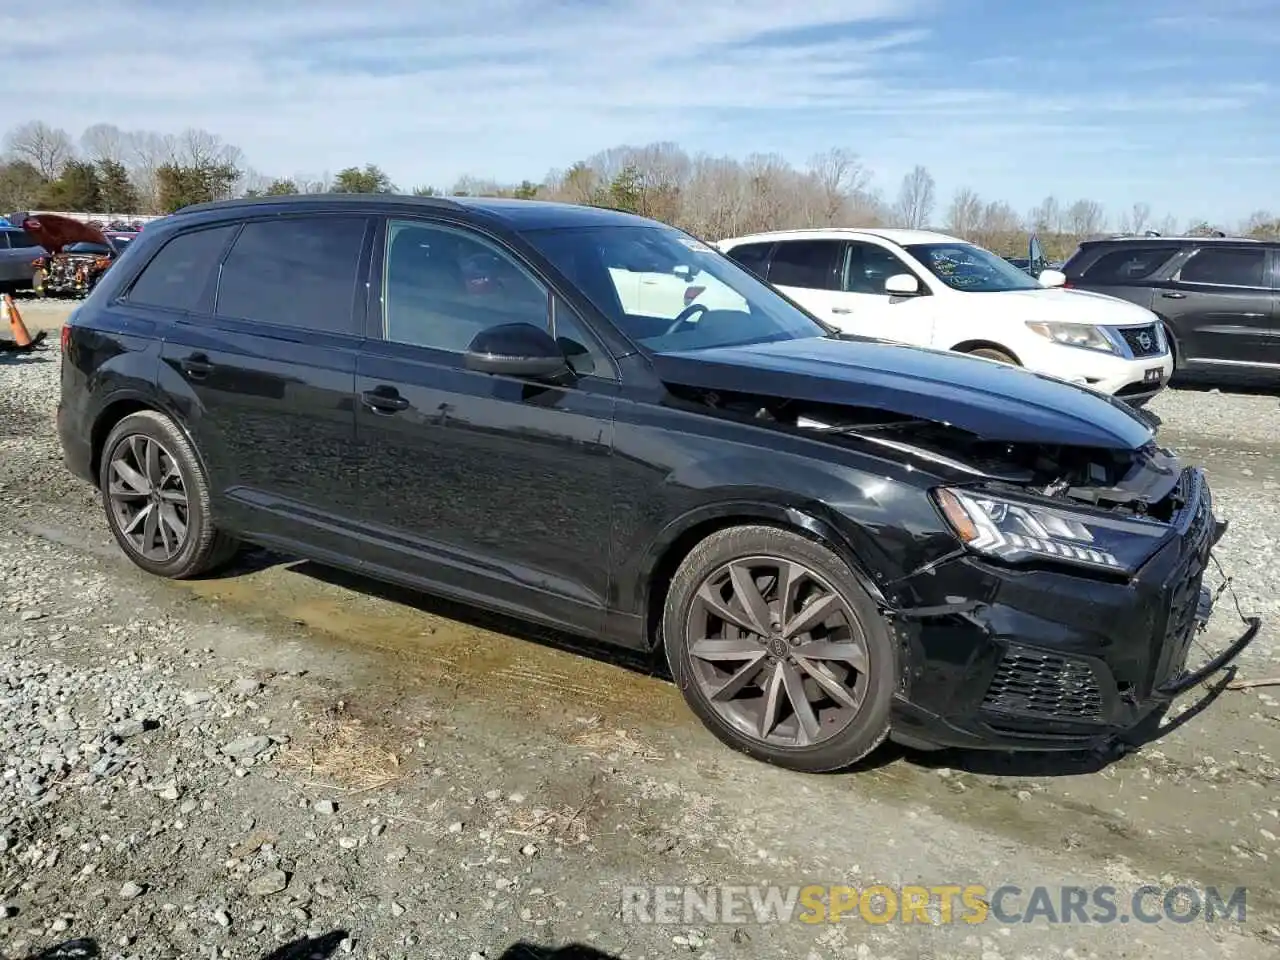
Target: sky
(1175, 103)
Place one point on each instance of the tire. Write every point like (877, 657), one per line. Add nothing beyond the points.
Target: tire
(991, 353)
(37, 283)
(183, 493)
(840, 735)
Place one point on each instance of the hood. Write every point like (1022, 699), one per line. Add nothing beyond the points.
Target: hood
(991, 400)
(54, 232)
(1073, 306)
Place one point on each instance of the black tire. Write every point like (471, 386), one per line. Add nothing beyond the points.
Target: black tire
(869, 723)
(991, 353)
(203, 548)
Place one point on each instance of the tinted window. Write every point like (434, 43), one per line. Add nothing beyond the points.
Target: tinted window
(869, 266)
(176, 276)
(1128, 263)
(752, 256)
(20, 239)
(443, 286)
(296, 272)
(1232, 267)
(809, 264)
(96, 248)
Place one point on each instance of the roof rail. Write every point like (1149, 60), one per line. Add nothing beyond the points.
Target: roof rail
(306, 199)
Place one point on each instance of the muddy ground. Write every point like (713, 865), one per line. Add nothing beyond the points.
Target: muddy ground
(288, 761)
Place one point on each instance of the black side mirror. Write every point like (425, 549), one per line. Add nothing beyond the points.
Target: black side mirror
(516, 350)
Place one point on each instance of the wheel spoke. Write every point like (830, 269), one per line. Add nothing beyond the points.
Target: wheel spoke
(808, 729)
(845, 651)
(823, 677)
(154, 470)
(135, 484)
(138, 519)
(739, 681)
(811, 615)
(773, 694)
(748, 596)
(150, 528)
(171, 525)
(790, 576)
(726, 649)
(724, 611)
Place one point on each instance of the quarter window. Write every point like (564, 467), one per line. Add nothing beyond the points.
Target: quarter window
(176, 277)
(1226, 267)
(299, 272)
(807, 264)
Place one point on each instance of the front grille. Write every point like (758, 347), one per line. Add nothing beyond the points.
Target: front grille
(1142, 341)
(1040, 684)
(1184, 592)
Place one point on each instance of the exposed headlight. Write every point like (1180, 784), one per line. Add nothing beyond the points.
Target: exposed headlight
(1016, 531)
(1074, 335)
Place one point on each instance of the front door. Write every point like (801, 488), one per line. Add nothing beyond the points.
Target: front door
(481, 486)
(874, 313)
(1223, 302)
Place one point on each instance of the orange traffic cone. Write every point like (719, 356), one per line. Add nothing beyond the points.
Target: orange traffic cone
(21, 337)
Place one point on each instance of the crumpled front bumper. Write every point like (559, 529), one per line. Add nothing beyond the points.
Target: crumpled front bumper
(1044, 660)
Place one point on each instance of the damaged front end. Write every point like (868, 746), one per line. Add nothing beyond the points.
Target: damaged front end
(1060, 601)
(77, 255)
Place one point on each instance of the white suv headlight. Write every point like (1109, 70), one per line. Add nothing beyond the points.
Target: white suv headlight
(1084, 335)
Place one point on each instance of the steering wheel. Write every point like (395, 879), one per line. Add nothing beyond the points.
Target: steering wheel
(686, 316)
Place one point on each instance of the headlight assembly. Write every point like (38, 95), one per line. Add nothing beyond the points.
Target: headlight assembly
(1016, 531)
(1084, 335)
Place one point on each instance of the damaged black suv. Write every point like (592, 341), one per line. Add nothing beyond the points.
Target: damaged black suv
(596, 422)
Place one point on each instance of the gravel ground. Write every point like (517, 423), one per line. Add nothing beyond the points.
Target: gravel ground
(290, 762)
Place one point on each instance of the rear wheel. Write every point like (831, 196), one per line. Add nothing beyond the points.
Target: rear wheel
(991, 353)
(778, 649)
(156, 498)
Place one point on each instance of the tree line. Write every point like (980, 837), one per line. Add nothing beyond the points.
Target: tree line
(109, 170)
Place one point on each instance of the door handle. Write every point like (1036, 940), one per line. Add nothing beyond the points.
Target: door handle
(1173, 295)
(841, 310)
(384, 400)
(197, 366)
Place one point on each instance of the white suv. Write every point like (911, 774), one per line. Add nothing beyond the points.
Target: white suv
(932, 290)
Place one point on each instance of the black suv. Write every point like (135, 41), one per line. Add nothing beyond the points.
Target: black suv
(828, 539)
(1219, 298)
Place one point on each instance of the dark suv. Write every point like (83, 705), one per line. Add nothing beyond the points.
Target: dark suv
(1219, 297)
(829, 539)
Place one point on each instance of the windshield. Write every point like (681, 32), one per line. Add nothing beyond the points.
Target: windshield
(963, 266)
(670, 292)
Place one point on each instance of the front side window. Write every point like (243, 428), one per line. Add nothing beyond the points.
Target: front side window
(297, 272)
(21, 240)
(970, 268)
(869, 266)
(752, 256)
(442, 286)
(1226, 267)
(176, 276)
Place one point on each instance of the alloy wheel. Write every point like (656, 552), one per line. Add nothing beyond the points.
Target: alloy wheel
(148, 498)
(777, 651)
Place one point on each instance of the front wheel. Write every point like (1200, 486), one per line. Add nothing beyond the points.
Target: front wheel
(157, 499)
(991, 353)
(778, 649)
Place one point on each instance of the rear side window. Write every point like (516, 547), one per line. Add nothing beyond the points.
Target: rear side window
(752, 256)
(20, 240)
(176, 276)
(1128, 264)
(1227, 267)
(809, 264)
(297, 272)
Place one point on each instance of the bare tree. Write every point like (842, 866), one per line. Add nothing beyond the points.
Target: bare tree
(1086, 218)
(44, 147)
(1047, 218)
(965, 213)
(915, 199)
(147, 152)
(840, 177)
(105, 142)
(1138, 218)
(1167, 226)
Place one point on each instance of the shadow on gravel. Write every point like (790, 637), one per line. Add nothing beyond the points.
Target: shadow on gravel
(1246, 389)
(483, 619)
(572, 951)
(304, 948)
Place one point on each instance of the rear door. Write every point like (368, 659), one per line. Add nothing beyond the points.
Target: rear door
(475, 484)
(809, 271)
(1220, 304)
(267, 368)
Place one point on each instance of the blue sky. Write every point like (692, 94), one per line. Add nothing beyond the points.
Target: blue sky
(1171, 102)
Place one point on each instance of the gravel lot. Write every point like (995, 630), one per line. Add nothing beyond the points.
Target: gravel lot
(286, 761)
